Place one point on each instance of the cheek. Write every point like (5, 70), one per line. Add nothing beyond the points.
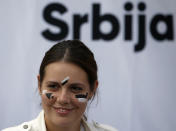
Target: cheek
(46, 101)
(80, 105)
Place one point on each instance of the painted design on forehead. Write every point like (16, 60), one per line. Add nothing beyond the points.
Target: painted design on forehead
(82, 97)
(65, 80)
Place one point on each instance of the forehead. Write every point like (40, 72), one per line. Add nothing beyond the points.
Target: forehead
(57, 71)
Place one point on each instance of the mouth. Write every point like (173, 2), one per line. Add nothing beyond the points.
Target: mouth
(63, 111)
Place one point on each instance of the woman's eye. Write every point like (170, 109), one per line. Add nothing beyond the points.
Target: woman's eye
(53, 86)
(76, 89)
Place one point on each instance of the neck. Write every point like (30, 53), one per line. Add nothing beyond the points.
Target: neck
(63, 129)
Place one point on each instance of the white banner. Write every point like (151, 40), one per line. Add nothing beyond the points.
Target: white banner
(134, 45)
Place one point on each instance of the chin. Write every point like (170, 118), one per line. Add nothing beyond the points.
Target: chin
(63, 118)
(63, 122)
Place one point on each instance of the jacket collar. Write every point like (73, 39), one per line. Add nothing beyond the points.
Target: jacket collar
(42, 127)
(40, 122)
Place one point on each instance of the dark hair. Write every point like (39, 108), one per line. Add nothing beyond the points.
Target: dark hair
(73, 51)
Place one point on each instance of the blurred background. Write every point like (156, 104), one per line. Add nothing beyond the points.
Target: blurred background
(134, 45)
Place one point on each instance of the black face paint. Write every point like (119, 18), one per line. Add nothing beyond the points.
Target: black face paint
(63, 82)
(81, 95)
(82, 98)
(49, 95)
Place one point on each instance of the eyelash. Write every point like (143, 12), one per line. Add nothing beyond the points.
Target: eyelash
(76, 89)
(53, 86)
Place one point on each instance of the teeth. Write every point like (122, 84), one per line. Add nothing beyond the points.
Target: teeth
(62, 110)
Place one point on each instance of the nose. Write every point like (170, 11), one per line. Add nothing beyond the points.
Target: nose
(63, 97)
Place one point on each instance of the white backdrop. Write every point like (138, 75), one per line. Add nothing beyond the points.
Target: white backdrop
(137, 88)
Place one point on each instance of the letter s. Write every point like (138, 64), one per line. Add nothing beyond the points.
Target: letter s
(47, 15)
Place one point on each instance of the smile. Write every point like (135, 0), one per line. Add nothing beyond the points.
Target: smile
(63, 111)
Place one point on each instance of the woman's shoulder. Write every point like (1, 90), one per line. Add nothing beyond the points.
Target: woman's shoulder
(38, 124)
(103, 127)
(95, 126)
(24, 126)
(28, 126)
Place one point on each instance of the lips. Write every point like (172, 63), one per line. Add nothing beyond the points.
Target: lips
(63, 111)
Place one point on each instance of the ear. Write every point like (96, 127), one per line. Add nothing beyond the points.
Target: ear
(95, 88)
(39, 84)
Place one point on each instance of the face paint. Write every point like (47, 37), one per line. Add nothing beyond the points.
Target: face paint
(82, 97)
(51, 96)
(44, 92)
(48, 95)
(65, 80)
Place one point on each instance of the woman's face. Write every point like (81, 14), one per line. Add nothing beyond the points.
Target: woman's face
(64, 109)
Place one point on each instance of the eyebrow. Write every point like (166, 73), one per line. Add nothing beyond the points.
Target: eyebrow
(69, 84)
(77, 84)
(53, 82)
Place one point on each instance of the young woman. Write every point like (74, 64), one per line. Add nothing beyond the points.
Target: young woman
(67, 80)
